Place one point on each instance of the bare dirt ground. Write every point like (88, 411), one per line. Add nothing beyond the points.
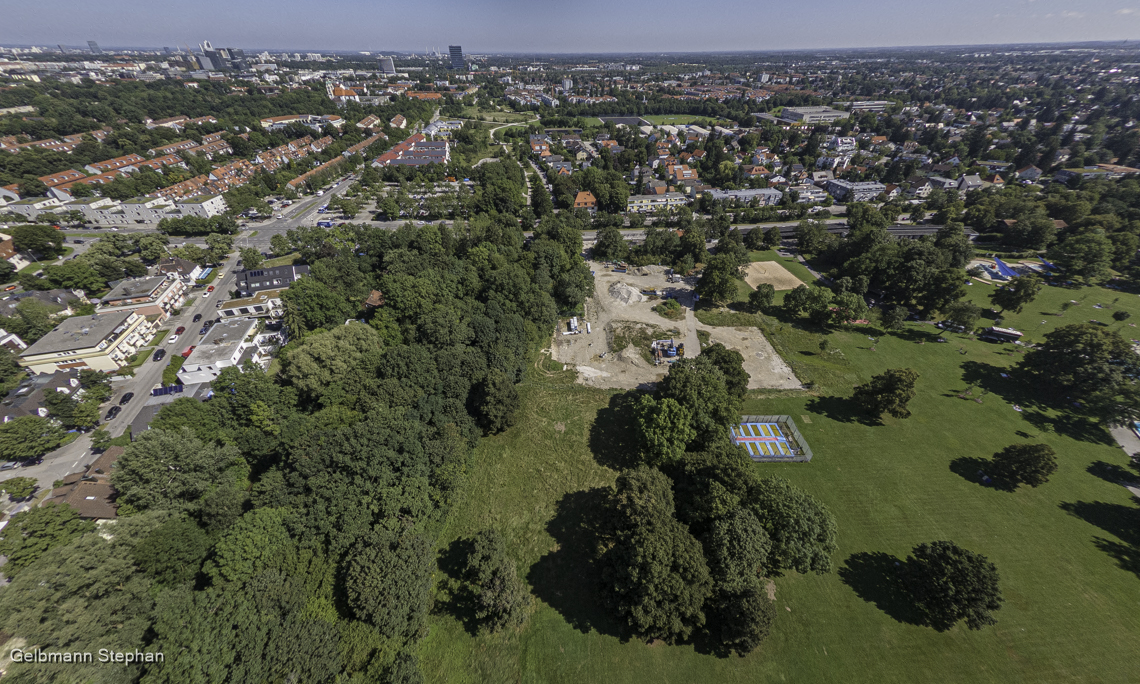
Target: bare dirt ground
(618, 307)
(770, 272)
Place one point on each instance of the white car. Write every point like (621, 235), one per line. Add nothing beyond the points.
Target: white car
(171, 339)
(279, 216)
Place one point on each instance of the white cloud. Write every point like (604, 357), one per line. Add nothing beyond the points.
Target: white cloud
(1126, 11)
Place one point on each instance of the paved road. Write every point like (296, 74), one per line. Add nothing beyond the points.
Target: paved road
(74, 456)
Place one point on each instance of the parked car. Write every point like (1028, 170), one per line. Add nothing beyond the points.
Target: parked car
(188, 352)
(204, 330)
(9, 465)
(10, 288)
(115, 410)
(210, 288)
(172, 340)
(197, 317)
(159, 355)
(181, 329)
(209, 323)
(126, 398)
(78, 241)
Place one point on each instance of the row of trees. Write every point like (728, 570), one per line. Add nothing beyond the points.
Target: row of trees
(285, 525)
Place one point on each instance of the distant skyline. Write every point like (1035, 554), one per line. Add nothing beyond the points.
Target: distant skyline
(570, 26)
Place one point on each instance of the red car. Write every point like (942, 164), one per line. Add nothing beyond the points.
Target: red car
(10, 288)
(186, 354)
(181, 329)
(210, 288)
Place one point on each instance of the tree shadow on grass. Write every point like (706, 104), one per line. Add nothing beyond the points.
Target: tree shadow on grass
(875, 578)
(455, 597)
(612, 435)
(841, 410)
(977, 470)
(1127, 556)
(1110, 472)
(567, 578)
(1121, 521)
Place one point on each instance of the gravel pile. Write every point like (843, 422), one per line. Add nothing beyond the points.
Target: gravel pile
(626, 294)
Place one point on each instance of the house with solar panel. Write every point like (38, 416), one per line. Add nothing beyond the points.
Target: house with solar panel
(770, 438)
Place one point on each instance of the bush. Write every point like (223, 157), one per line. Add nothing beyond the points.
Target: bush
(170, 373)
(670, 309)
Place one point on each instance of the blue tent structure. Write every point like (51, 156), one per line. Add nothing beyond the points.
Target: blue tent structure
(1004, 269)
(1047, 264)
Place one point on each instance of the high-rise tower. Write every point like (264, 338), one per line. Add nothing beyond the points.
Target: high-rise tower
(456, 56)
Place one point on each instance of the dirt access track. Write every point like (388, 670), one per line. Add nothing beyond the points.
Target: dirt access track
(618, 311)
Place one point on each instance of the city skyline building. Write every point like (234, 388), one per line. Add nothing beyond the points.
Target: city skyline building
(456, 56)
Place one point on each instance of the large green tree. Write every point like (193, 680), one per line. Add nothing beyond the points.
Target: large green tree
(700, 386)
(1087, 256)
(801, 528)
(169, 469)
(388, 583)
(1030, 464)
(718, 279)
(501, 598)
(1015, 294)
(1080, 360)
(29, 534)
(28, 437)
(887, 393)
(664, 429)
(949, 584)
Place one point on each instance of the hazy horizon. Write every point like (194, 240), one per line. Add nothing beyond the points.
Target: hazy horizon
(573, 27)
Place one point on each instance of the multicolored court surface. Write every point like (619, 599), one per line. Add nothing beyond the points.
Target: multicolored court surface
(770, 438)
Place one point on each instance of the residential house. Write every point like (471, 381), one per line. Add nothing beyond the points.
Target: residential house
(251, 281)
(12, 341)
(173, 267)
(969, 183)
(29, 397)
(90, 493)
(586, 200)
(59, 302)
(1029, 173)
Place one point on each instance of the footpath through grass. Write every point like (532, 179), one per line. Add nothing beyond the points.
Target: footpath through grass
(1072, 606)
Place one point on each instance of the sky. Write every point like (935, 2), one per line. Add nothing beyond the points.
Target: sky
(553, 26)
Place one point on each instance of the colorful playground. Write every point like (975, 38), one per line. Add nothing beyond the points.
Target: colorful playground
(770, 438)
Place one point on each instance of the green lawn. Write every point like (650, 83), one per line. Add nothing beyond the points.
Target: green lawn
(1071, 613)
(472, 112)
(1048, 304)
(673, 119)
(287, 260)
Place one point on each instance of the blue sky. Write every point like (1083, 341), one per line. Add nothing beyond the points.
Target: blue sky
(565, 25)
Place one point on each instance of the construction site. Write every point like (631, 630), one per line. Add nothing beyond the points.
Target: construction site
(621, 343)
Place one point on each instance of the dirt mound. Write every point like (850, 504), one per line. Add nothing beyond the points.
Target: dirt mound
(626, 294)
(652, 269)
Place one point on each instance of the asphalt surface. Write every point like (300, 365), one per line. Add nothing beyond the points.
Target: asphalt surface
(73, 457)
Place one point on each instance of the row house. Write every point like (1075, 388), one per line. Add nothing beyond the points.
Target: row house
(126, 164)
(172, 147)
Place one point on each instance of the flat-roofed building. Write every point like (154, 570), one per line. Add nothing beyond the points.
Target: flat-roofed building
(99, 342)
(812, 115)
(153, 296)
(255, 280)
(264, 303)
(646, 203)
(228, 344)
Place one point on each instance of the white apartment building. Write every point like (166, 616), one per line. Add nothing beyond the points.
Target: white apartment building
(100, 342)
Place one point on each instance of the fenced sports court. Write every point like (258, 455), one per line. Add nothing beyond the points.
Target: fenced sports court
(771, 438)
